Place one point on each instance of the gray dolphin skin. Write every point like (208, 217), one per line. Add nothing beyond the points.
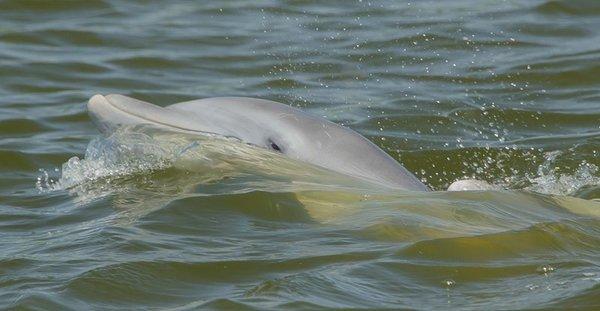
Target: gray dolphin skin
(265, 124)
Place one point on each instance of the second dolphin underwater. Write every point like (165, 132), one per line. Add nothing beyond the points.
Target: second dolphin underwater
(269, 125)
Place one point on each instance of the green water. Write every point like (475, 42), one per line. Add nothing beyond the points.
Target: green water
(504, 91)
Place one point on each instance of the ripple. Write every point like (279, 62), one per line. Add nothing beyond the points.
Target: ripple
(55, 37)
(536, 241)
(59, 5)
(14, 127)
(576, 8)
(149, 62)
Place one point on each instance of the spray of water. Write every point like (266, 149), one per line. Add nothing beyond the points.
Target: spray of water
(121, 154)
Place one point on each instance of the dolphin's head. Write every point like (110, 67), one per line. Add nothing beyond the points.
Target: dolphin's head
(260, 123)
(265, 124)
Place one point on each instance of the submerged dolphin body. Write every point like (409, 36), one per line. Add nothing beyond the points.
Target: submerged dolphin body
(265, 124)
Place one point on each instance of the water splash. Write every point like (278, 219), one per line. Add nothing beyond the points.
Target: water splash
(554, 177)
(121, 154)
(569, 172)
(550, 181)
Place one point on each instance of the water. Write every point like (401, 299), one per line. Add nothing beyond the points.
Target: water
(504, 91)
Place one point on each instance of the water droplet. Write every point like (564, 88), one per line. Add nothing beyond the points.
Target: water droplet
(448, 283)
(532, 287)
(545, 269)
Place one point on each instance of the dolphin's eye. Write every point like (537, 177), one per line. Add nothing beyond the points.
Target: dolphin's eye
(275, 147)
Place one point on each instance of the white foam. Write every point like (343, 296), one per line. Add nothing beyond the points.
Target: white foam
(123, 153)
(549, 181)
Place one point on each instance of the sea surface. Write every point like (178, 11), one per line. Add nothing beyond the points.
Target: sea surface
(503, 91)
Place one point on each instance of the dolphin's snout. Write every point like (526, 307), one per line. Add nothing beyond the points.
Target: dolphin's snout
(97, 110)
(95, 100)
(112, 111)
(108, 113)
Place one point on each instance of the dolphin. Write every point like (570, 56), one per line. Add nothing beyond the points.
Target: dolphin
(265, 124)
